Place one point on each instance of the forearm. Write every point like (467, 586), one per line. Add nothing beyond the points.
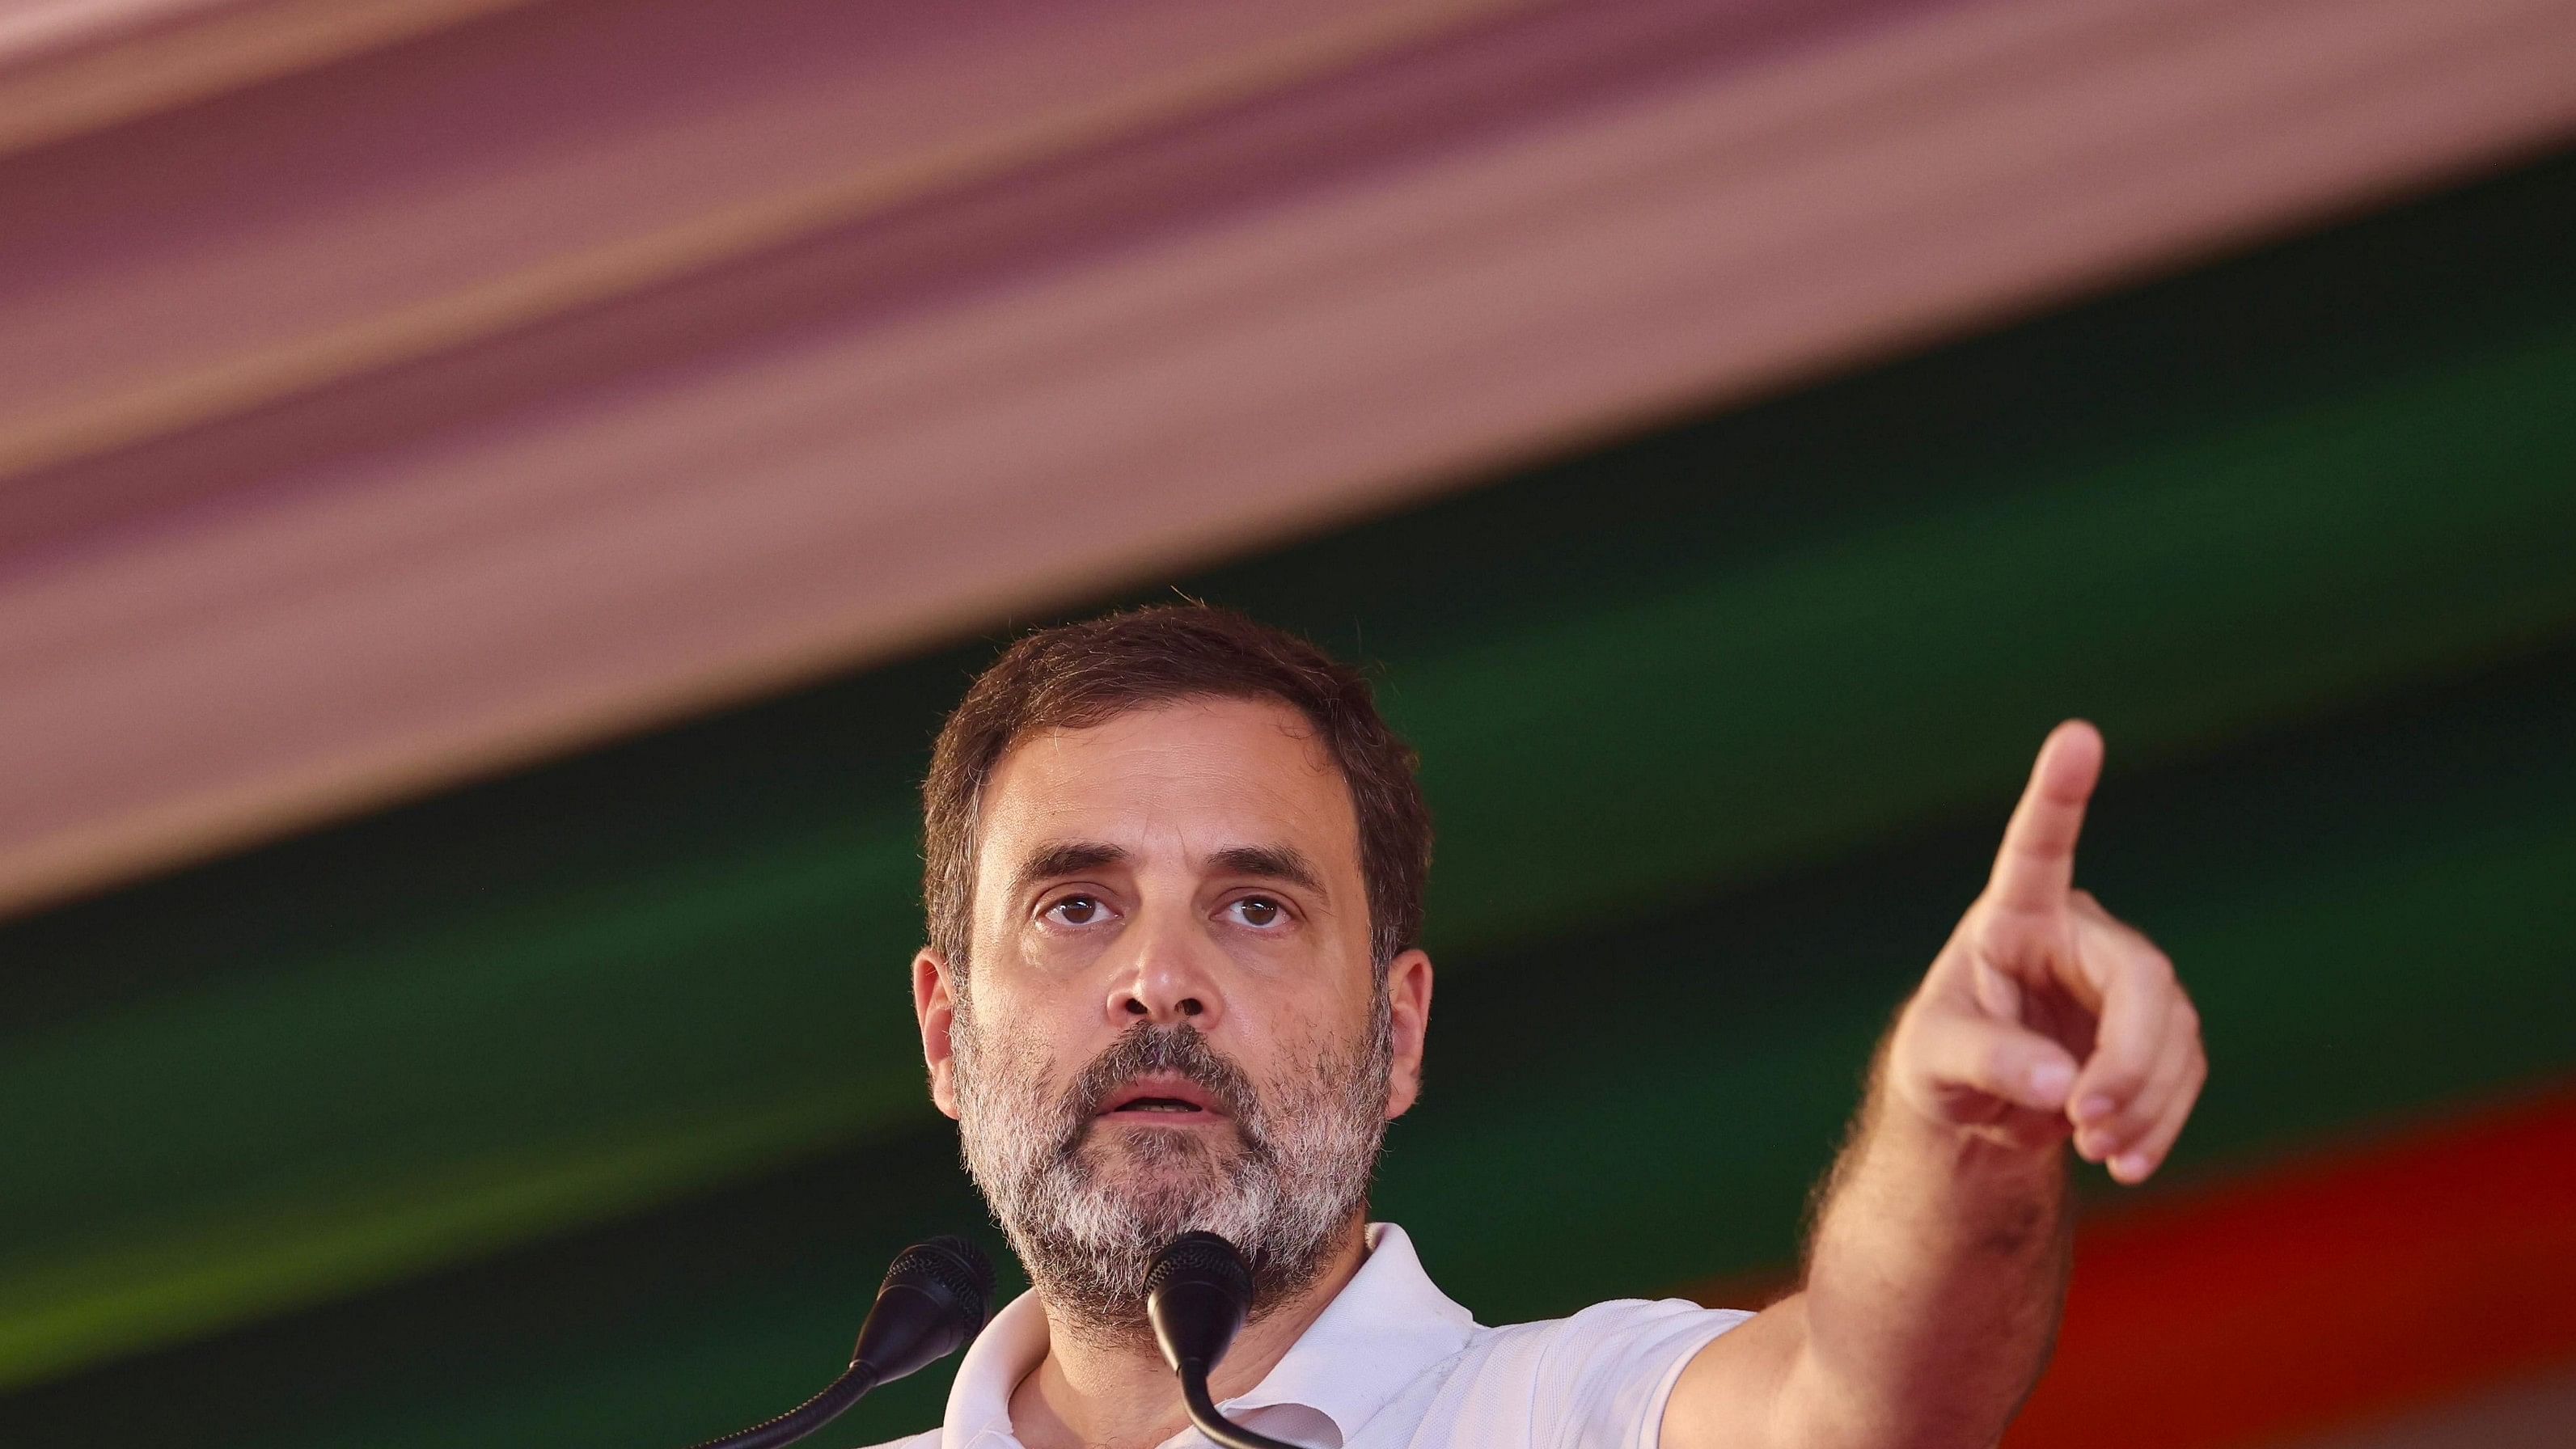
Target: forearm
(1939, 1258)
(1934, 1278)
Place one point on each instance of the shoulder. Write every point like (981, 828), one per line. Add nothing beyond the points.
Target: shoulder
(1600, 1376)
(1621, 1329)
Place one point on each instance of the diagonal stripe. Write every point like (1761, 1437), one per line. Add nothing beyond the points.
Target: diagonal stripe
(75, 67)
(411, 575)
(2540, 1414)
(2325, 1293)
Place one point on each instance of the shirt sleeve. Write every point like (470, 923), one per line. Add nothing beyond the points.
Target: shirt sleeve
(1599, 1380)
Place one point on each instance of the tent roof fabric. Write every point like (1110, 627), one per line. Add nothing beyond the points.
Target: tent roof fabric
(449, 393)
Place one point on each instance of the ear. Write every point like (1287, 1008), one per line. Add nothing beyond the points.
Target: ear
(934, 1003)
(1408, 999)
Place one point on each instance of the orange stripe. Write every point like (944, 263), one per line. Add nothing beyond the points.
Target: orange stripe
(2332, 1292)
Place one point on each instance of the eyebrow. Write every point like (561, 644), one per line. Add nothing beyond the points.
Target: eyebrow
(1063, 858)
(1054, 861)
(1271, 862)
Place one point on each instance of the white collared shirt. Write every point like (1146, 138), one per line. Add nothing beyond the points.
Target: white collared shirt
(1391, 1363)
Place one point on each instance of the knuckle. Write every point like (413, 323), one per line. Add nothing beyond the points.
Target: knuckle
(2125, 1091)
(2143, 1114)
(2122, 1079)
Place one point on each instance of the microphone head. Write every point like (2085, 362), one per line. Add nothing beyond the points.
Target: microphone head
(1197, 1294)
(935, 1298)
(957, 1266)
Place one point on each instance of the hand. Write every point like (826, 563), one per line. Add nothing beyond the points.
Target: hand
(2044, 1015)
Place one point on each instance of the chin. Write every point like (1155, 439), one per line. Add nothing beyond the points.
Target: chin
(1162, 1171)
(1151, 1143)
(1164, 1154)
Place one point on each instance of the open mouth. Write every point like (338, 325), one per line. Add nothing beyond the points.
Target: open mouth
(1168, 1100)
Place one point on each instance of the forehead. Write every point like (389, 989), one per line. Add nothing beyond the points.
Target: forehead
(1197, 775)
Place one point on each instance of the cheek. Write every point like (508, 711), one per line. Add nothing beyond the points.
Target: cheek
(1044, 963)
(1328, 1012)
(1311, 1039)
(1002, 1074)
(1054, 1005)
(1032, 1034)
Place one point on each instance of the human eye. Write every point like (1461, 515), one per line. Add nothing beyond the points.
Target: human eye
(1075, 909)
(1258, 912)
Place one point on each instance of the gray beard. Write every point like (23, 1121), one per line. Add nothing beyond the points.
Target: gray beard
(1298, 1175)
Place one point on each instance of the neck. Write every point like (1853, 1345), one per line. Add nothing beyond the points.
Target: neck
(1087, 1394)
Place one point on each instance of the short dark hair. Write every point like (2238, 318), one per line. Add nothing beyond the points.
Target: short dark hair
(1077, 675)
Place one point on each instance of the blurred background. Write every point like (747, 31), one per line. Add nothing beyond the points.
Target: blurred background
(496, 496)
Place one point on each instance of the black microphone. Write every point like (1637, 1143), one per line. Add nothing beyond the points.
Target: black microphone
(1197, 1294)
(934, 1299)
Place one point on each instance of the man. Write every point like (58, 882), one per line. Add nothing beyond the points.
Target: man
(1175, 864)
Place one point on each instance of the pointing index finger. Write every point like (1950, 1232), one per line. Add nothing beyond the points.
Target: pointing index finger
(2036, 866)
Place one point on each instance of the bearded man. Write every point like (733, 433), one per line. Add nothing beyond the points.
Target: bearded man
(1175, 865)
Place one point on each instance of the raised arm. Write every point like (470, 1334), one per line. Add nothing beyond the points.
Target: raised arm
(1938, 1262)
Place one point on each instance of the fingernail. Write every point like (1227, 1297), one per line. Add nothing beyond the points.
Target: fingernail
(2093, 1108)
(2129, 1166)
(2050, 1080)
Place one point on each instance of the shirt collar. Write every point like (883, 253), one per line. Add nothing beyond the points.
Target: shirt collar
(979, 1399)
(1379, 1333)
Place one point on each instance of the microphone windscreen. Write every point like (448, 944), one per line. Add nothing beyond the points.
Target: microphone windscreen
(1197, 1294)
(953, 1264)
(936, 1297)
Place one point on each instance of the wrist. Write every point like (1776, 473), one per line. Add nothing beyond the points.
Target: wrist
(2020, 1147)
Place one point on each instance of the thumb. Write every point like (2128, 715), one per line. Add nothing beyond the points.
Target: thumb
(1951, 1052)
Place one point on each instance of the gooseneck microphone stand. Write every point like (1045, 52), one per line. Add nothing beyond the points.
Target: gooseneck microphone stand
(1197, 1294)
(934, 1299)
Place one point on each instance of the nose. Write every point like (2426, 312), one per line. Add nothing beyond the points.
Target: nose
(1168, 977)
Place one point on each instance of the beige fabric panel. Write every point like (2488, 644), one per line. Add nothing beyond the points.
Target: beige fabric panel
(416, 473)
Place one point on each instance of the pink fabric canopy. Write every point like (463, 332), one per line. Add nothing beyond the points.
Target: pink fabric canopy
(392, 391)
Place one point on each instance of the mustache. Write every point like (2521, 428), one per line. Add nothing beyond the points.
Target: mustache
(1182, 1051)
